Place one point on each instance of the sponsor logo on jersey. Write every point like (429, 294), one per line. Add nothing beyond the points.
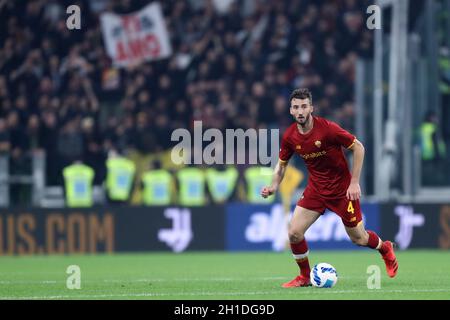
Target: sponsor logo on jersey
(313, 155)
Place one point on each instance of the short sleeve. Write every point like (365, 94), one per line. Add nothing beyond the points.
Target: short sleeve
(341, 136)
(286, 151)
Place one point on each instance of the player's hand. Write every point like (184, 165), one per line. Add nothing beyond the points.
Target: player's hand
(354, 191)
(267, 191)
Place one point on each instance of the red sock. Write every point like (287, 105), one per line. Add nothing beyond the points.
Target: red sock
(374, 240)
(376, 243)
(300, 253)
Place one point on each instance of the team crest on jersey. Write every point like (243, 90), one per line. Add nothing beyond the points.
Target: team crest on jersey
(298, 147)
(318, 144)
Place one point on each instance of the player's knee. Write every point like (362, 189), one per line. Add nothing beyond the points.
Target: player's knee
(295, 236)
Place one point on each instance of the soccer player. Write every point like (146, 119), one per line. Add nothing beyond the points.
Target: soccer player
(330, 185)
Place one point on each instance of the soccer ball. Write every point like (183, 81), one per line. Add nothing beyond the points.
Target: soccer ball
(323, 275)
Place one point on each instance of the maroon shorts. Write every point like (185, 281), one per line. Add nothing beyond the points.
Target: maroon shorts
(349, 211)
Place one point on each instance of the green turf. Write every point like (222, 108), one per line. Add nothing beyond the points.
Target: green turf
(189, 276)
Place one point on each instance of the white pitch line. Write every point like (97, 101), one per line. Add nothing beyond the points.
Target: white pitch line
(219, 279)
(196, 279)
(29, 281)
(143, 280)
(215, 279)
(250, 293)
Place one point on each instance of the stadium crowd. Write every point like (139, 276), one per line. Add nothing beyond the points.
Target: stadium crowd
(59, 91)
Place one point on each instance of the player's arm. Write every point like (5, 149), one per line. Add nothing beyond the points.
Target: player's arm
(278, 175)
(286, 153)
(354, 190)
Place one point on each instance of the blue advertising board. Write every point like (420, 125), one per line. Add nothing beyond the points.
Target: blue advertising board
(264, 227)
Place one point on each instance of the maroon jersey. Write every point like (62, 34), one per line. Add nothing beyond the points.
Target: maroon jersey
(321, 149)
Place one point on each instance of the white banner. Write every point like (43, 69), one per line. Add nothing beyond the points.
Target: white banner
(137, 37)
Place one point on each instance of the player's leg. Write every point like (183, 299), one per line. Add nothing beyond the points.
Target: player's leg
(301, 220)
(361, 237)
(350, 213)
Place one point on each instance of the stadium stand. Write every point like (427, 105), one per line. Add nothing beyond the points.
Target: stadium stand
(59, 91)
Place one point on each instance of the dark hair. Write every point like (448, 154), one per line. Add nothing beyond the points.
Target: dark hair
(302, 93)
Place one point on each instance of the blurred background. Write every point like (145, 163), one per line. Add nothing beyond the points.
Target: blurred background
(85, 132)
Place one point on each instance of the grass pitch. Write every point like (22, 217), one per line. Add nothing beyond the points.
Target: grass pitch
(204, 276)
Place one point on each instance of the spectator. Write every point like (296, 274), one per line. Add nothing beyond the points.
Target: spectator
(93, 153)
(70, 143)
(49, 136)
(5, 145)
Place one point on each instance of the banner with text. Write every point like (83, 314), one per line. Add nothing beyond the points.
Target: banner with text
(264, 227)
(134, 38)
(416, 225)
(113, 229)
(233, 227)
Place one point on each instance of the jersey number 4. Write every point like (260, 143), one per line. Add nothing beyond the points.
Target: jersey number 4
(350, 208)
